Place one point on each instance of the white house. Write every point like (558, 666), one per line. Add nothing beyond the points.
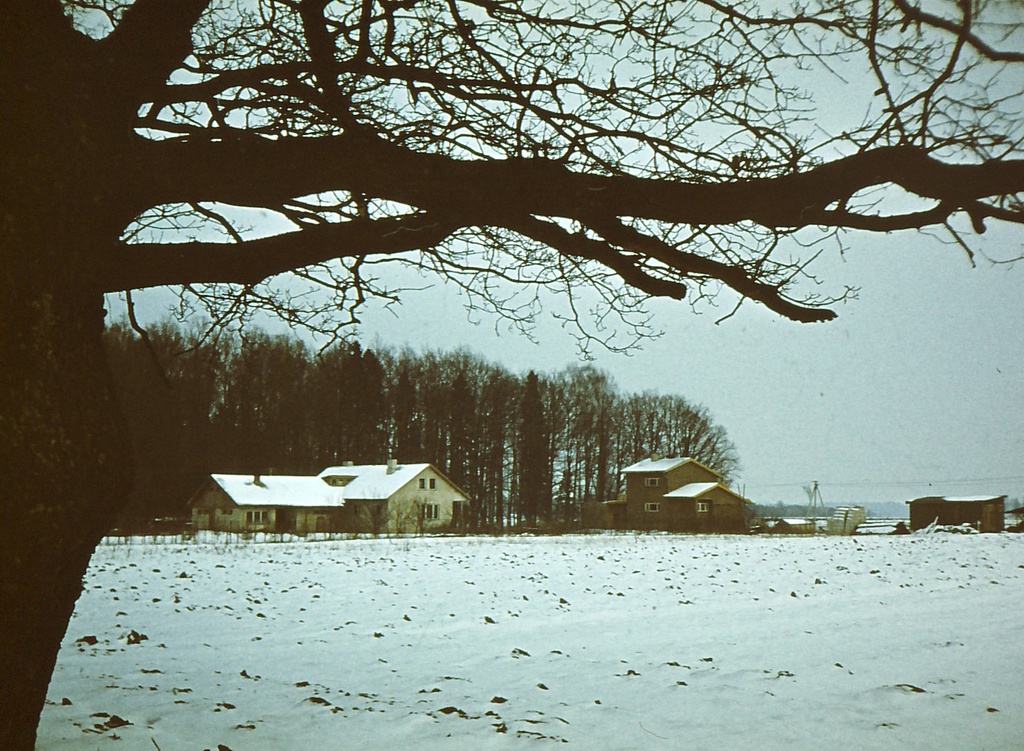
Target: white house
(397, 497)
(375, 498)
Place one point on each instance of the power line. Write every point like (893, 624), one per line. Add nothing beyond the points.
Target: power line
(899, 483)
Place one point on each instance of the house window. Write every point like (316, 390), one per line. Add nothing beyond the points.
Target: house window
(703, 507)
(433, 484)
(255, 517)
(652, 508)
(432, 511)
(423, 483)
(652, 482)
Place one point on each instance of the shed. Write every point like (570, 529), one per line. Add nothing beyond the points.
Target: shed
(984, 513)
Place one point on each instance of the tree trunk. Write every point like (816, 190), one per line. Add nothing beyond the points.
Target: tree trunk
(65, 472)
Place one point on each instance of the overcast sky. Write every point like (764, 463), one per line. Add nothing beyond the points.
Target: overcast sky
(916, 389)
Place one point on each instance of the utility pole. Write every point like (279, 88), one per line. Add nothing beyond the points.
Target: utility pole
(815, 506)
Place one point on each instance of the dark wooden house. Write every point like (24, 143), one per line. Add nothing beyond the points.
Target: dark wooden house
(681, 495)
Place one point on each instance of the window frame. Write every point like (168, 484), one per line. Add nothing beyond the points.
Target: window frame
(256, 517)
(652, 482)
(652, 507)
(431, 512)
(703, 507)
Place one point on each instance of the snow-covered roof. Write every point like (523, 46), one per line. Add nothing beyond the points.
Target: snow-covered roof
(280, 490)
(962, 499)
(692, 490)
(367, 482)
(657, 465)
(372, 481)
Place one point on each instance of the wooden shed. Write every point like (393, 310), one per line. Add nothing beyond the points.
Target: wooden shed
(984, 513)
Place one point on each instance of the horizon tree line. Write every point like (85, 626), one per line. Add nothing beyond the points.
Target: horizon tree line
(530, 450)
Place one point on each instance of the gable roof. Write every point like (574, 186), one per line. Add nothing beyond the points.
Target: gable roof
(280, 490)
(372, 481)
(368, 482)
(665, 465)
(657, 465)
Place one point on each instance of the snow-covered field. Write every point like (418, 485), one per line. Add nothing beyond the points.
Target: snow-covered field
(602, 642)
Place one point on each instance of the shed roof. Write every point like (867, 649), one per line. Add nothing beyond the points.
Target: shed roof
(691, 490)
(959, 499)
(280, 490)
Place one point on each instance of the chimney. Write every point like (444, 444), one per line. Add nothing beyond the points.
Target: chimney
(257, 481)
(348, 464)
(392, 465)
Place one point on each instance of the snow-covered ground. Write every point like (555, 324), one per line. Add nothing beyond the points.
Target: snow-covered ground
(602, 642)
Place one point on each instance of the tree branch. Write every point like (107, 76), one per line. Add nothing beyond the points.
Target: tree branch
(581, 246)
(512, 193)
(148, 264)
(916, 15)
(485, 192)
(692, 265)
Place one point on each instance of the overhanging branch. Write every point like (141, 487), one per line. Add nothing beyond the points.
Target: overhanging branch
(962, 31)
(142, 265)
(256, 172)
(692, 265)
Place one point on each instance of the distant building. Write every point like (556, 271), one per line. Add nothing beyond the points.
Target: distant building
(984, 513)
(1014, 519)
(845, 520)
(678, 495)
(374, 498)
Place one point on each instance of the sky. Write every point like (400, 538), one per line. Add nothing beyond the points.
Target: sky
(917, 388)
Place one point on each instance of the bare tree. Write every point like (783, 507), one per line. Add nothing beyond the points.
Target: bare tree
(628, 148)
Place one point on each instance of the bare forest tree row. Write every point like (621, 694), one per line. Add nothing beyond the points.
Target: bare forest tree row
(530, 450)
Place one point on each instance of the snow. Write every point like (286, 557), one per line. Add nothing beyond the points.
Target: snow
(280, 490)
(657, 465)
(603, 641)
(973, 498)
(372, 481)
(692, 490)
